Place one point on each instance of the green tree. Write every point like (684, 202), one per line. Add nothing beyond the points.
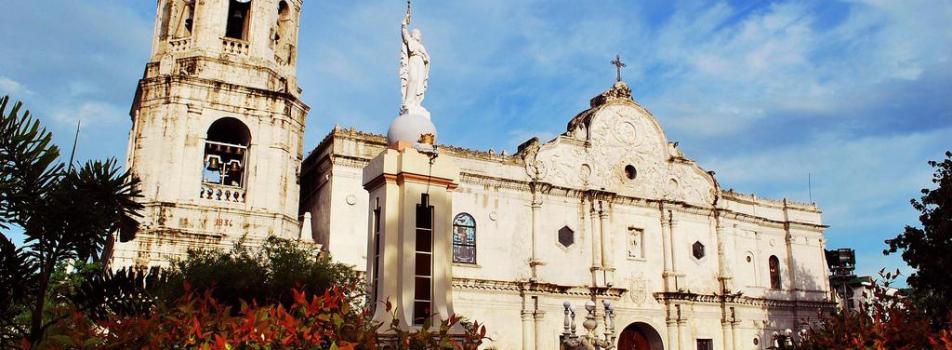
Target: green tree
(264, 275)
(66, 214)
(927, 248)
(886, 320)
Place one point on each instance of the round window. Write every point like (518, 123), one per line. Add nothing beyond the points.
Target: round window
(630, 172)
(756, 341)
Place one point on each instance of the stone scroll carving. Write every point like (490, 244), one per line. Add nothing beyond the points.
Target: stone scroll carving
(618, 146)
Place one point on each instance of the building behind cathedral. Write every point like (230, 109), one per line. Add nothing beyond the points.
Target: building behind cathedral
(608, 210)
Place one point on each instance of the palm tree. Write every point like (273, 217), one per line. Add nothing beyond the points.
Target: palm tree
(66, 213)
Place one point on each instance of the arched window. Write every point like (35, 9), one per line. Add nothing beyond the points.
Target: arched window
(226, 153)
(774, 272)
(464, 239)
(239, 16)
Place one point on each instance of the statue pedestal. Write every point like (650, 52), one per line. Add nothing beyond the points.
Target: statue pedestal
(409, 127)
(409, 253)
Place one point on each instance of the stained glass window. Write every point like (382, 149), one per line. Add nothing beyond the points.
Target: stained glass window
(464, 239)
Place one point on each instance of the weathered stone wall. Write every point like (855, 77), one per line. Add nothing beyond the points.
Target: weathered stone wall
(191, 82)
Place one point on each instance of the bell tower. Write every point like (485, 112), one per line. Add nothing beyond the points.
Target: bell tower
(217, 128)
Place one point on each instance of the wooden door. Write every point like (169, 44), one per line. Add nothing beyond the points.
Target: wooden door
(633, 339)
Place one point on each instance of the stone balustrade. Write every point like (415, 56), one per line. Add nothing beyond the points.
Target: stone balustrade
(222, 193)
(235, 46)
(180, 45)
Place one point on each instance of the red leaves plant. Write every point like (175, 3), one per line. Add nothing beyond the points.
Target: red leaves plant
(327, 321)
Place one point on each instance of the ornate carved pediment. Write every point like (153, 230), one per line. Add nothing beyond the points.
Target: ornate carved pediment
(618, 146)
(620, 92)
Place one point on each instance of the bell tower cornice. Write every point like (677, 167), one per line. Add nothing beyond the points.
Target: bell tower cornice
(258, 34)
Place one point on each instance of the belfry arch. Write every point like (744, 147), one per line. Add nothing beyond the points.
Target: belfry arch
(226, 153)
(640, 336)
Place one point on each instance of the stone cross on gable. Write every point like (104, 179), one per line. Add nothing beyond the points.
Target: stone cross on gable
(618, 66)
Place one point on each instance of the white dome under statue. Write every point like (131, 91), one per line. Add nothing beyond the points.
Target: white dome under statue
(409, 128)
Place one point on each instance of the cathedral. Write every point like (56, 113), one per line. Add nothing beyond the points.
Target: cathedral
(608, 221)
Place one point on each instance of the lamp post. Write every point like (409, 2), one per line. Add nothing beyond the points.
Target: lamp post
(570, 340)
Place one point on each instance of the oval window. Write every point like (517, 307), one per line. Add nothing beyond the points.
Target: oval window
(630, 172)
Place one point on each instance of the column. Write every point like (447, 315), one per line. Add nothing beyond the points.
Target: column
(539, 317)
(596, 236)
(726, 332)
(733, 330)
(666, 243)
(673, 334)
(674, 246)
(791, 264)
(593, 226)
(534, 261)
(528, 339)
(606, 245)
(682, 343)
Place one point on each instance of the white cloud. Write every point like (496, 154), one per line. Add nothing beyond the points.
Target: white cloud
(92, 113)
(11, 87)
(862, 184)
(781, 59)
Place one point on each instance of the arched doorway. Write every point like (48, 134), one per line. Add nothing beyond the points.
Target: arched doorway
(640, 336)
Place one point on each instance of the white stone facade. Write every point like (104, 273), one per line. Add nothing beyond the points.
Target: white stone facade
(632, 239)
(609, 210)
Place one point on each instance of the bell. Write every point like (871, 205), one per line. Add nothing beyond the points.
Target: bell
(214, 162)
(234, 166)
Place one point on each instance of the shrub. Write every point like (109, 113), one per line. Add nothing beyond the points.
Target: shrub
(886, 321)
(200, 321)
(264, 275)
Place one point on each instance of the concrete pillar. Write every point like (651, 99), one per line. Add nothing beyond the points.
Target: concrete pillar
(406, 182)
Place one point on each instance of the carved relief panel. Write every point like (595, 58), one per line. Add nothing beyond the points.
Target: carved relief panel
(620, 148)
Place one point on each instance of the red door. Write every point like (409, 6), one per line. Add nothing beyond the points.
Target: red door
(632, 339)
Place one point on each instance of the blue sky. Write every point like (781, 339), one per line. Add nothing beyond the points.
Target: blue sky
(856, 93)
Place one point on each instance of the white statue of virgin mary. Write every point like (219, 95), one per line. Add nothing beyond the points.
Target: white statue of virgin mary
(413, 126)
(414, 68)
